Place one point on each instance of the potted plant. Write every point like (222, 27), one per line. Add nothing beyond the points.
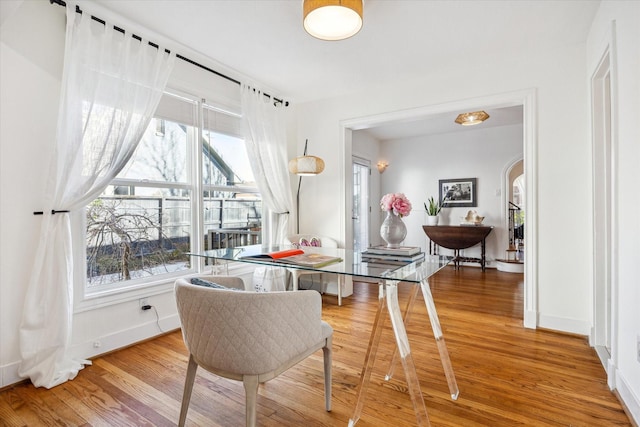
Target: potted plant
(433, 210)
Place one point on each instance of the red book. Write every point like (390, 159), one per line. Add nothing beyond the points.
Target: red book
(298, 257)
(280, 254)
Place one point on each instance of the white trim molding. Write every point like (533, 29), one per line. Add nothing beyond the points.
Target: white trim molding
(526, 98)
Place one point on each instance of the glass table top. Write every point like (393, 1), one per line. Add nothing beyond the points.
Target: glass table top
(351, 264)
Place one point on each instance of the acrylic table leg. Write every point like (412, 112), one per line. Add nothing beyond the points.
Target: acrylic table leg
(413, 384)
(370, 356)
(437, 333)
(407, 315)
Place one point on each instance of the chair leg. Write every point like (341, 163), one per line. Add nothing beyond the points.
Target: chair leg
(326, 351)
(188, 387)
(251, 396)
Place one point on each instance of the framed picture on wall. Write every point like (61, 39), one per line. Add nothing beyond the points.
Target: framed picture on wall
(456, 193)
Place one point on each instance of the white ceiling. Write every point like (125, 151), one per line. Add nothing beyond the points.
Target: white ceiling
(444, 123)
(400, 39)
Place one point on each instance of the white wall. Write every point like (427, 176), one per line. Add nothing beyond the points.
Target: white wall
(31, 57)
(416, 164)
(31, 54)
(625, 16)
(563, 174)
(563, 177)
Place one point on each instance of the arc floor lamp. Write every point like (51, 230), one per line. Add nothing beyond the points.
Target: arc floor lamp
(304, 166)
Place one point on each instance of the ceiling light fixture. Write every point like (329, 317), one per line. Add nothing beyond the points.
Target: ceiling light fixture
(332, 19)
(468, 119)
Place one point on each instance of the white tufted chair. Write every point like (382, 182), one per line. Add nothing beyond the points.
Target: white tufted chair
(224, 332)
(325, 242)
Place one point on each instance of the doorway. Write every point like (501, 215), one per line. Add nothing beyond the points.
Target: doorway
(603, 223)
(361, 210)
(527, 99)
(514, 188)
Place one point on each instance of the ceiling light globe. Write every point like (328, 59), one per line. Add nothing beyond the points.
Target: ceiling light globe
(332, 19)
(473, 118)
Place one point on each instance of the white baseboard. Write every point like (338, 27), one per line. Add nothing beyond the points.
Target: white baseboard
(9, 374)
(121, 339)
(530, 319)
(603, 355)
(563, 324)
(100, 345)
(630, 400)
(612, 371)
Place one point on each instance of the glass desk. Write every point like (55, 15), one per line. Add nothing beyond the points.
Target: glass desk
(388, 277)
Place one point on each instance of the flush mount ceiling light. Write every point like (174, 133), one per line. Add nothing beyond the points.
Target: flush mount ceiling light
(332, 19)
(468, 119)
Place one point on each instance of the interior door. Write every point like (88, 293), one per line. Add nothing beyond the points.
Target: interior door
(603, 193)
(361, 206)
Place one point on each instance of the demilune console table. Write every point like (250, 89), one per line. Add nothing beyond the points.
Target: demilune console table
(416, 273)
(457, 237)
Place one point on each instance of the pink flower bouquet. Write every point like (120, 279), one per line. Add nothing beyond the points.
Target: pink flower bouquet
(396, 202)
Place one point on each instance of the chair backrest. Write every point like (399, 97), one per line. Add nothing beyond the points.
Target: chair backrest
(226, 281)
(325, 241)
(247, 333)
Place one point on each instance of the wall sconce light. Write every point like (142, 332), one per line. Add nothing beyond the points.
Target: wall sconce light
(468, 119)
(382, 166)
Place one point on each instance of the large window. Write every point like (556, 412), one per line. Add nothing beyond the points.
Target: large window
(139, 229)
(232, 205)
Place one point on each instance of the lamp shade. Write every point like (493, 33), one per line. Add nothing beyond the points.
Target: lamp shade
(306, 165)
(332, 19)
(468, 119)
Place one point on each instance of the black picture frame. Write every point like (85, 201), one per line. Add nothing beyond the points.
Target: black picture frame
(458, 193)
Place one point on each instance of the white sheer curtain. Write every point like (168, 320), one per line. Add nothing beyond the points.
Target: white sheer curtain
(265, 139)
(111, 85)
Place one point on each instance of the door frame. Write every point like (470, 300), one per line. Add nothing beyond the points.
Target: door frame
(526, 98)
(604, 209)
(365, 163)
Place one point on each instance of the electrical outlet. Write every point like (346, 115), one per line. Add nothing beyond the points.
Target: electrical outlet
(97, 344)
(143, 302)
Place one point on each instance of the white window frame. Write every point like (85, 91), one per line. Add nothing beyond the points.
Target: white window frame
(137, 288)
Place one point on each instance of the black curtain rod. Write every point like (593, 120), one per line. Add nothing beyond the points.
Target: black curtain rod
(53, 212)
(190, 61)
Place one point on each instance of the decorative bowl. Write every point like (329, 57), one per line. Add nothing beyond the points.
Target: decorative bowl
(472, 218)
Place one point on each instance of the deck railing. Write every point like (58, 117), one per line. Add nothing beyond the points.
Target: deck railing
(219, 238)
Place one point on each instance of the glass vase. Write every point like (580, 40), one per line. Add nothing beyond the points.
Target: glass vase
(393, 231)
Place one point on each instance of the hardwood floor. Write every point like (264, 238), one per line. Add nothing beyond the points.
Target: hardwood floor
(507, 375)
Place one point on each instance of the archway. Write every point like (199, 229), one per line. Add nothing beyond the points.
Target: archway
(514, 208)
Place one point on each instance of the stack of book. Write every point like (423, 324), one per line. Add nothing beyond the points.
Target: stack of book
(392, 256)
